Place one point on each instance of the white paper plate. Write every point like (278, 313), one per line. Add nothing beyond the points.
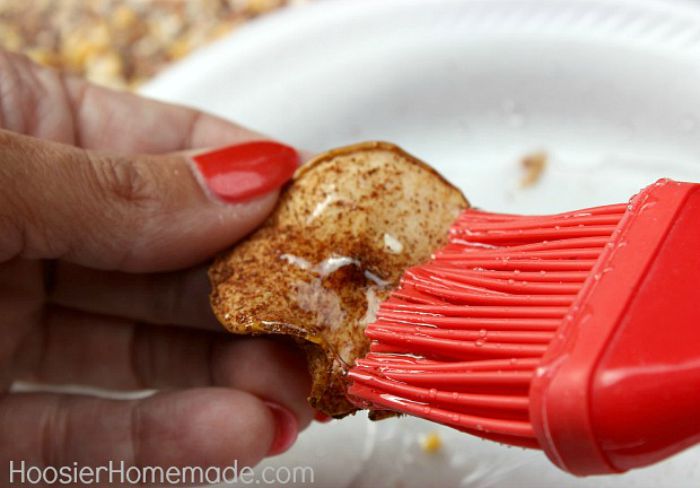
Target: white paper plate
(610, 89)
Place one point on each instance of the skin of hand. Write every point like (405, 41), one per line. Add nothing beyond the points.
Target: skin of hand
(106, 224)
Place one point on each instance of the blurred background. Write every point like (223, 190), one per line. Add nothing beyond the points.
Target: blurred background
(120, 43)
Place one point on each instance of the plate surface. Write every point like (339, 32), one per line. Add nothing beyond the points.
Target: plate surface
(609, 89)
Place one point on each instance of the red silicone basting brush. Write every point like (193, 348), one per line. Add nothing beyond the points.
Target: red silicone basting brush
(577, 333)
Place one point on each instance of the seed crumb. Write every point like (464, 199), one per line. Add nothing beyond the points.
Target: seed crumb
(431, 443)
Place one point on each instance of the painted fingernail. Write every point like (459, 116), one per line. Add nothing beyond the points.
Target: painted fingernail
(322, 417)
(245, 171)
(286, 428)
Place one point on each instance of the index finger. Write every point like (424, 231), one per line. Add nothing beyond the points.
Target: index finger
(124, 122)
(49, 104)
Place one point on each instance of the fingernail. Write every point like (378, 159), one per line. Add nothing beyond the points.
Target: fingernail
(322, 417)
(245, 171)
(286, 428)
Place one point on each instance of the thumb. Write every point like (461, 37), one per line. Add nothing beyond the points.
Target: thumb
(133, 213)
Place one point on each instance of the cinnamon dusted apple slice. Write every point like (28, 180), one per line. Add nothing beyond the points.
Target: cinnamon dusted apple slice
(344, 230)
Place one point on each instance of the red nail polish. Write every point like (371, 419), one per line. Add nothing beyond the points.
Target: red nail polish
(286, 429)
(322, 417)
(244, 171)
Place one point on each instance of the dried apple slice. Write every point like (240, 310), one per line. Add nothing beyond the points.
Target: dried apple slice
(344, 230)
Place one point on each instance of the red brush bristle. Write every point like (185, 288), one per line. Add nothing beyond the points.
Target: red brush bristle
(459, 341)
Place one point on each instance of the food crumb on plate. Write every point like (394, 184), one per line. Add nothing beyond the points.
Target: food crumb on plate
(431, 443)
(533, 165)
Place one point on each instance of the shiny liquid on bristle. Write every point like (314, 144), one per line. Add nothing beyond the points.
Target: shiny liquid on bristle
(459, 340)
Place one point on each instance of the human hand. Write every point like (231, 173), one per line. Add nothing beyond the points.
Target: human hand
(103, 231)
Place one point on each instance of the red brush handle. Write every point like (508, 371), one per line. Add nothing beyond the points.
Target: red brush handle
(620, 386)
(646, 390)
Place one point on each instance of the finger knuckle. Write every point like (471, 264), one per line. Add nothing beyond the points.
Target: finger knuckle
(137, 433)
(54, 426)
(143, 359)
(126, 180)
(168, 300)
